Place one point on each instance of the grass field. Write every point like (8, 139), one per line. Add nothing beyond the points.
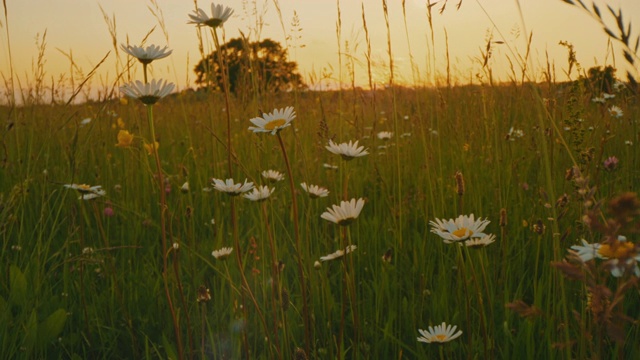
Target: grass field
(130, 274)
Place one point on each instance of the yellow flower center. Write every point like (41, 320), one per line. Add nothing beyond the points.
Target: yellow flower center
(274, 124)
(621, 250)
(462, 232)
(441, 337)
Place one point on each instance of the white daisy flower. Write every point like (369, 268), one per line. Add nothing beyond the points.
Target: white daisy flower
(608, 96)
(315, 191)
(514, 134)
(148, 93)
(478, 242)
(348, 150)
(272, 176)
(259, 193)
(462, 228)
(219, 15)
(274, 121)
(385, 135)
(339, 253)
(440, 334)
(148, 54)
(345, 213)
(586, 251)
(222, 253)
(231, 188)
(599, 99)
(87, 192)
(616, 112)
(329, 166)
(85, 121)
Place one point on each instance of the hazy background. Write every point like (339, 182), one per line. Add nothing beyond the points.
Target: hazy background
(78, 27)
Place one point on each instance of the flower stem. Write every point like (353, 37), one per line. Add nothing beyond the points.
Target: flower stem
(163, 227)
(303, 288)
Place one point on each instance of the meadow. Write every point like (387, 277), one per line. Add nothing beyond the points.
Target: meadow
(136, 267)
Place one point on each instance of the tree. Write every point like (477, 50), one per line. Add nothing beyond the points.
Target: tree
(250, 65)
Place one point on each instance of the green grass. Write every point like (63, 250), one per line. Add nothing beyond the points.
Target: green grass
(109, 303)
(80, 283)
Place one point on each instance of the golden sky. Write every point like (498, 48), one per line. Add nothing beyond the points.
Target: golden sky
(79, 28)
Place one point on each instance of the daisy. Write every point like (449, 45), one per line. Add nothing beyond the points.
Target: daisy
(462, 228)
(231, 188)
(274, 121)
(339, 253)
(272, 176)
(514, 134)
(616, 112)
(259, 194)
(385, 135)
(222, 253)
(219, 14)
(315, 191)
(440, 334)
(148, 54)
(125, 138)
(329, 166)
(185, 187)
(148, 93)
(87, 192)
(345, 213)
(348, 150)
(480, 242)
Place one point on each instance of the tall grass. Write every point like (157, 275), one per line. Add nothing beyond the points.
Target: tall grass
(87, 278)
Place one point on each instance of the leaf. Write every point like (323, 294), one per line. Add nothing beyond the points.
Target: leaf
(169, 348)
(628, 57)
(31, 331)
(51, 327)
(596, 10)
(17, 286)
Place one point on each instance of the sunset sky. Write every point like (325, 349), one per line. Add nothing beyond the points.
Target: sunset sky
(78, 27)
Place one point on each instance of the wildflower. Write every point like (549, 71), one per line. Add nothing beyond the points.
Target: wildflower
(407, 134)
(108, 211)
(176, 246)
(618, 85)
(440, 334)
(151, 148)
(388, 255)
(622, 249)
(231, 188)
(204, 294)
(148, 93)
(628, 142)
(339, 253)
(317, 265)
(385, 135)
(219, 14)
(185, 187)
(600, 100)
(348, 150)
(607, 96)
(272, 176)
(616, 112)
(611, 163)
(514, 134)
(480, 242)
(87, 192)
(315, 191)
(125, 138)
(345, 213)
(85, 121)
(462, 228)
(274, 121)
(222, 253)
(259, 194)
(329, 166)
(148, 54)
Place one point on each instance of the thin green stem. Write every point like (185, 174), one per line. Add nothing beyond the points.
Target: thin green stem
(303, 287)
